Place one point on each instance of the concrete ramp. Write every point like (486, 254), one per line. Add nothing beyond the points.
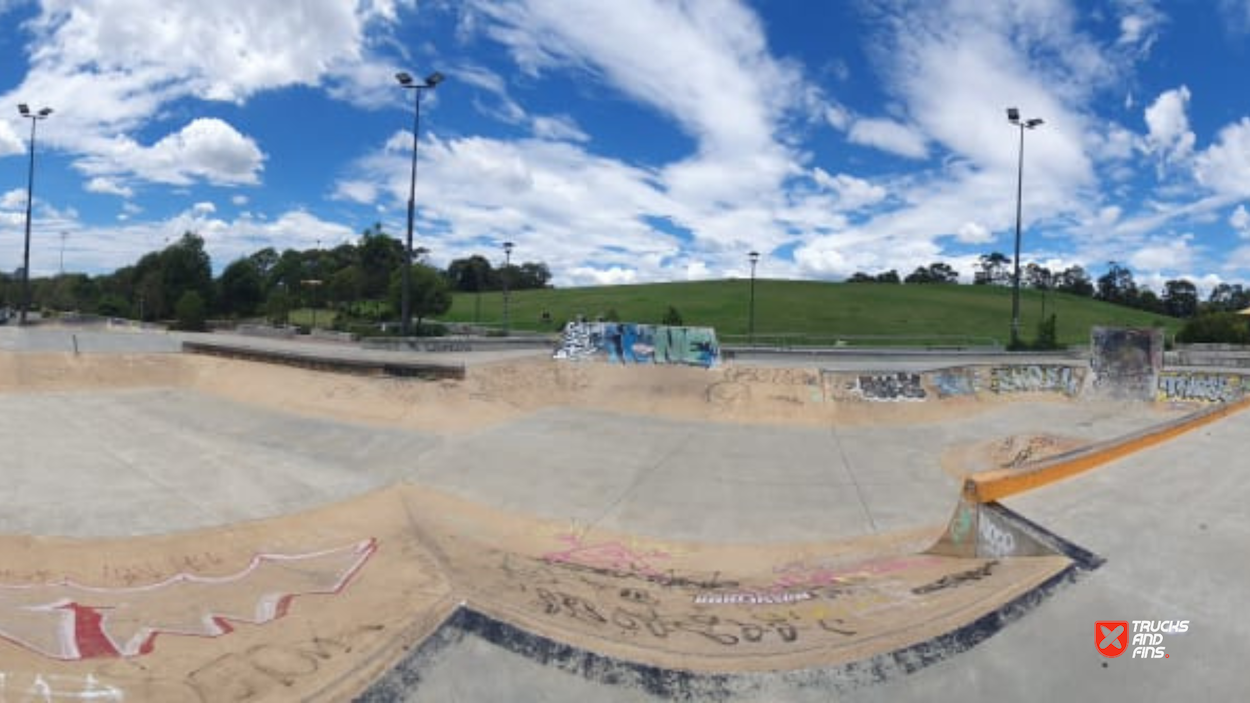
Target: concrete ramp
(326, 604)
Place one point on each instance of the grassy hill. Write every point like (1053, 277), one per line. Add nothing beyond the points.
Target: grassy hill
(825, 312)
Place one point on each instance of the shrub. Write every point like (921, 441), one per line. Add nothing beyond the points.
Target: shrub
(190, 312)
(672, 318)
(1217, 328)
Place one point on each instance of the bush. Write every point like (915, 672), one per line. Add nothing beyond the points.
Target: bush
(1047, 335)
(190, 312)
(672, 318)
(1216, 328)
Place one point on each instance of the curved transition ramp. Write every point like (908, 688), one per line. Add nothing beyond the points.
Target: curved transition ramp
(336, 603)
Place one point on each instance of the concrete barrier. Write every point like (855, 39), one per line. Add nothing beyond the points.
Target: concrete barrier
(360, 367)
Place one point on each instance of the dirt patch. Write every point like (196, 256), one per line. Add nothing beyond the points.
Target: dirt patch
(1012, 452)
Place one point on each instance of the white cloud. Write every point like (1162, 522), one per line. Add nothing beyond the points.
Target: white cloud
(853, 193)
(108, 186)
(1169, 135)
(239, 200)
(559, 128)
(1236, 15)
(204, 208)
(974, 233)
(9, 141)
(1240, 221)
(1225, 166)
(1164, 254)
(890, 136)
(616, 275)
(206, 148)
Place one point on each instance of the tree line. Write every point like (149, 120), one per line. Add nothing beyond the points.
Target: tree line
(1178, 298)
(360, 280)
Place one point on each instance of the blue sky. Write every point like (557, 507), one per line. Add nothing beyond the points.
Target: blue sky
(640, 140)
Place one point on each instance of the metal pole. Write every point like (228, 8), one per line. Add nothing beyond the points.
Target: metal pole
(1015, 284)
(751, 325)
(406, 305)
(30, 191)
(507, 265)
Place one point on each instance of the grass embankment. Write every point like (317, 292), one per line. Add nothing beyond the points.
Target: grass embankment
(820, 311)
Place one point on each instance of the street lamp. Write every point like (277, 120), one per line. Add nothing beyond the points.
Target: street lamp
(507, 265)
(1013, 116)
(34, 118)
(406, 81)
(754, 256)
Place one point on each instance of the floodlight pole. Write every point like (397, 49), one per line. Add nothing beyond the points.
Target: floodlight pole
(406, 81)
(507, 266)
(34, 118)
(1013, 116)
(754, 257)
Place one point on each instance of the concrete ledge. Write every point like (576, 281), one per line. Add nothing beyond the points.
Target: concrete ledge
(358, 367)
(455, 344)
(996, 485)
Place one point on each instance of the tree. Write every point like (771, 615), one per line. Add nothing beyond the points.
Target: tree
(472, 274)
(1074, 280)
(1039, 277)
(672, 318)
(186, 267)
(532, 275)
(935, 273)
(992, 268)
(1227, 297)
(861, 277)
(240, 289)
(890, 276)
(190, 312)
(431, 294)
(381, 256)
(1117, 286)
(1180, 298)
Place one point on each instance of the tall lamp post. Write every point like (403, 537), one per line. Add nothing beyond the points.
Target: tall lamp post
(754, 257)
(34, 118)
(1013, 116)
(406, 81)
(507, 266)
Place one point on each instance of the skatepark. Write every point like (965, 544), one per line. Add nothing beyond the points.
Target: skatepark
(212, 526)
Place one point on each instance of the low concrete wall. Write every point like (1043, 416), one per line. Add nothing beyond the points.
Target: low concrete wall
(456, 344)
(360, 367)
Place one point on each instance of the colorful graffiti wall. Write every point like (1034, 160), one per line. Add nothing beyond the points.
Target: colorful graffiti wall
(630, 343)
(1191, 387)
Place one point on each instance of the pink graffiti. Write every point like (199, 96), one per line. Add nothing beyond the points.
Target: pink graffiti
(609, 556)
(800, 574)
(70, 621)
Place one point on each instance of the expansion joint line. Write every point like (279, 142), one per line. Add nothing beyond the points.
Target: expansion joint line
(846, 464)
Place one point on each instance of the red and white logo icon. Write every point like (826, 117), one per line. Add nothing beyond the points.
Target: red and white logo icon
(1111, 637)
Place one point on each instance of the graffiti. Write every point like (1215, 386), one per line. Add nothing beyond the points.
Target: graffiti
(803, 574)
(612, 557)
(752, 598)
(1126, 362)
(995, 541)
(962, 523)
(71, 621)
(1199, 387)
(899, 386)
(952, 384)
(1035, 379)
(448, 346)
(21, 688)
(957, 579)
(629, 343)
(633, 621)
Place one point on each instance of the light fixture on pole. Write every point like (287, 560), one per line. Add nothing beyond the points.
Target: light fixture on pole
(406, 81)
(507, 266)
(754, 256)
(34, 118)
(1013, 116)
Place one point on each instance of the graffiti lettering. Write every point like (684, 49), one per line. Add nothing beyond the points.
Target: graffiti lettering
(899, 386)
(1035, 379)
(21, 688)
(752, 598)
(957, 579)
(954, 383)
(995, 540)
(448, 346)
(1205, 388)
(629, 343)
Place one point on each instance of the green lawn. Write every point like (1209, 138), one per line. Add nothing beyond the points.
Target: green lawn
(915, 314)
